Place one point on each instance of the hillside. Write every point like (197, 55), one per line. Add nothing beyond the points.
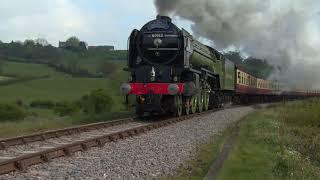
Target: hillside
(26, 81)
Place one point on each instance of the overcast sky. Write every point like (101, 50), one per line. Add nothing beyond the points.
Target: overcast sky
(98, 22)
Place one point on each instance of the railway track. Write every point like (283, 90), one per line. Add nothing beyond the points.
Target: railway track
(27, 139)
(17, 154)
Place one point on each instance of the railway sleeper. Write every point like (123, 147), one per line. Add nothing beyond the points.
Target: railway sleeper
(46, 158)
(124, 134)
(84, 147)
(43, 137)
(21, 166)
(67, 151)
(115, 137)
(3, 146)
(101, 142)
(132, 132)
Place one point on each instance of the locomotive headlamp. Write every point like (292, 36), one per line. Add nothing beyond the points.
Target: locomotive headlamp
(125, 88)
(152, 74)
(175, 78)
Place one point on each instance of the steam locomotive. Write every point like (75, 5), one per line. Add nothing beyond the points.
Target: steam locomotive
(173, 73)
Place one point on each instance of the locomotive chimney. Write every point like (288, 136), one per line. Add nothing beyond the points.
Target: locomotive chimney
(164, 18)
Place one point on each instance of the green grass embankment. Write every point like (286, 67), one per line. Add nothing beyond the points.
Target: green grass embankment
(280, 142)
(277, 143)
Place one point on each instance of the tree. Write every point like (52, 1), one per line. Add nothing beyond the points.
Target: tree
(255, 66)
(73, 42)
(2, 63)
(73, 65)
(29, 42)
(66, 108)
(41, 42)
(258, 67)
(98, 101)
(234, 57)
(11, 112)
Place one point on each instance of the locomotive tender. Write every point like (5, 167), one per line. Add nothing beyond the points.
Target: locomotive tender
(171, 72)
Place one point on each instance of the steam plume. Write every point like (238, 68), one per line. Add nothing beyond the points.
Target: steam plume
(284, 32)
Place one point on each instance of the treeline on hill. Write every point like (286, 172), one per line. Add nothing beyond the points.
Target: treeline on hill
(257, 67)
(62, 59)
(66, 59)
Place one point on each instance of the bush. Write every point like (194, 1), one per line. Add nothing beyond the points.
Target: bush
(11, 112)
(65, 108)
(42, 104)
(19, 102)
(97, 101)
(106, 68)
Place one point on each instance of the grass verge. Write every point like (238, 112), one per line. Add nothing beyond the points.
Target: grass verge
(254, 153)
(277, 143)
(280, 142)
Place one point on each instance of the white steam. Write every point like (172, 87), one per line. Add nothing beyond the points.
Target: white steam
(284, 32)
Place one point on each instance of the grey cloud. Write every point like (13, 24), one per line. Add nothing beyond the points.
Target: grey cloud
(280, 31)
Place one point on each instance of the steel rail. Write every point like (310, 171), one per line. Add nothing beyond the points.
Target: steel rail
(22, 140)
(22, 163)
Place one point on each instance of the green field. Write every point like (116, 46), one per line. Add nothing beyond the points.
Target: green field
(28, 69)
(56, 87)
(5, 78)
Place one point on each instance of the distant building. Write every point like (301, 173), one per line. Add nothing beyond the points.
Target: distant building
(64, 45)
(101, 48)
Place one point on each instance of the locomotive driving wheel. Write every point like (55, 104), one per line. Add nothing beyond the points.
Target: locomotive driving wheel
(187, 106)
(178, 106)
(200, 102)
(193, 103)
(206, 101)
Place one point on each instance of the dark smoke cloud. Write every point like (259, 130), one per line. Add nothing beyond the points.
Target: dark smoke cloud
(284, 32)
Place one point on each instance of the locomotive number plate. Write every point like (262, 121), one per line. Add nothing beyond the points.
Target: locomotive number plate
(157, 35)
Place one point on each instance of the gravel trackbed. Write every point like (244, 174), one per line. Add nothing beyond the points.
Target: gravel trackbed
(146, 156)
